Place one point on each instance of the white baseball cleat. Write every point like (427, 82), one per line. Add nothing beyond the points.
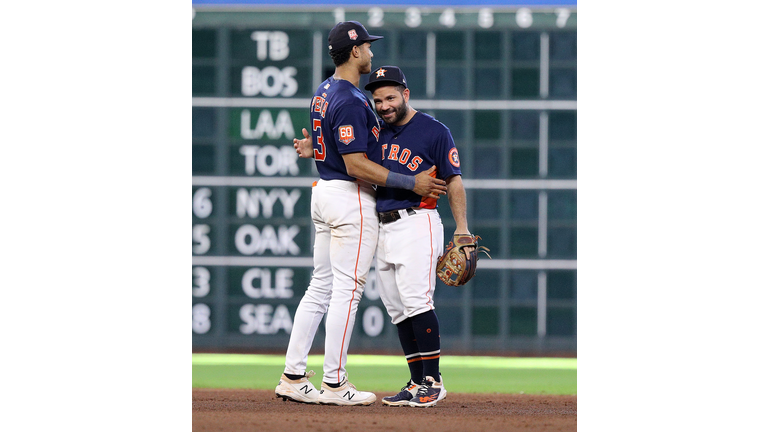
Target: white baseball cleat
(300, 390)
(346, 394)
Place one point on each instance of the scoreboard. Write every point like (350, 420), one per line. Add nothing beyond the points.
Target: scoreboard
(502, 79)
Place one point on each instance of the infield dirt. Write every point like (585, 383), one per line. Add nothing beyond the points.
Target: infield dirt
(259, 410)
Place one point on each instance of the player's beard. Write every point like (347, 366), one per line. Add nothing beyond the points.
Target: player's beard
(400, 112)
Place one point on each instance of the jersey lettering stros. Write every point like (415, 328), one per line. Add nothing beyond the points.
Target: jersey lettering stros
(342, 122)
(411, 149)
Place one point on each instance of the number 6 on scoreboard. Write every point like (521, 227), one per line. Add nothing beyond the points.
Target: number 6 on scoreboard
(319, 154)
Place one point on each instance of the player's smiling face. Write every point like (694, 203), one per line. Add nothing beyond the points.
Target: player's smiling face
(390, 104)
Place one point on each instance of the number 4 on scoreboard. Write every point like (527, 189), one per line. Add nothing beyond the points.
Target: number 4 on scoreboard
(319, 154)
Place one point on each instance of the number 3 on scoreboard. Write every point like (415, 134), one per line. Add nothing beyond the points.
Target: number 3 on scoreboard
(319, 154)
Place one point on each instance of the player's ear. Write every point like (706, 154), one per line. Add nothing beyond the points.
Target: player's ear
(406, 95)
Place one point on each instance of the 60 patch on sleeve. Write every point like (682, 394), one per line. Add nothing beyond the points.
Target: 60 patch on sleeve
(346, 134)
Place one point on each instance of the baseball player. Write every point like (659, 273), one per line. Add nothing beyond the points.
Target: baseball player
(345, 134)
(411, 232)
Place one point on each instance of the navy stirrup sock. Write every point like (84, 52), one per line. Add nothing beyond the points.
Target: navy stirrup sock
(426, 329)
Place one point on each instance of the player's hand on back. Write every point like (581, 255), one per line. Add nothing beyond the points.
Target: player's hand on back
(304, 146)
(429, 186)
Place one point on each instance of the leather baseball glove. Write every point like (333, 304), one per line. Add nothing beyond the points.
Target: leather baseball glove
(453, 267)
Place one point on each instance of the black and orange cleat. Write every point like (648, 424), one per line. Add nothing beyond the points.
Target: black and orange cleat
(429, 394)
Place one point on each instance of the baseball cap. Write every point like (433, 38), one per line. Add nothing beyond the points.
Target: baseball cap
(348, 33)
(386, 75)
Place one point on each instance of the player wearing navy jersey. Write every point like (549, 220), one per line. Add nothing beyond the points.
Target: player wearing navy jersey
(411, 232)
(345, 134)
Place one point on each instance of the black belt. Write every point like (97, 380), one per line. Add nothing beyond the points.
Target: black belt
(394, 215)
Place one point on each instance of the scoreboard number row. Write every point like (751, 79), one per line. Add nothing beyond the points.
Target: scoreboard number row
(485, 17)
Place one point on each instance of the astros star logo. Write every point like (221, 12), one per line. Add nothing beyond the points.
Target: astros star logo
(380, 73)
(453, 157)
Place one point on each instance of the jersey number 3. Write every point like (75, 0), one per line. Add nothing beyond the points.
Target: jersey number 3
(319, 154)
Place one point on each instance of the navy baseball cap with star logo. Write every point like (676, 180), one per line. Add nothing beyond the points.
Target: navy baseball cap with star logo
(349, 33)
(386, 75)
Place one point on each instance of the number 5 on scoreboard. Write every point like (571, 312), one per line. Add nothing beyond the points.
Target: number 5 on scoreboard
(319, 154)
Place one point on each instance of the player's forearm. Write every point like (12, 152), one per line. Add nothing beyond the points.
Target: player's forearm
(362, 168)
(423, 184)
(457, 199)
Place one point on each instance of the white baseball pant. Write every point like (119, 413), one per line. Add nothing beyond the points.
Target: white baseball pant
(406, 259)
(346, 231)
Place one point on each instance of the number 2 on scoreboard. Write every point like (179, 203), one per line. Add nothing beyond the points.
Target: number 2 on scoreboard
(319, 154)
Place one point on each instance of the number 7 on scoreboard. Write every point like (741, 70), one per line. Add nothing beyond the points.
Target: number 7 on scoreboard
(319, 154)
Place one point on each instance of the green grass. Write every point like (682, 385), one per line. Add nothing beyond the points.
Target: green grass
(389, 373)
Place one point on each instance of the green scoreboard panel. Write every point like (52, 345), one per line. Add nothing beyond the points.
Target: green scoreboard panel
(502, 79)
